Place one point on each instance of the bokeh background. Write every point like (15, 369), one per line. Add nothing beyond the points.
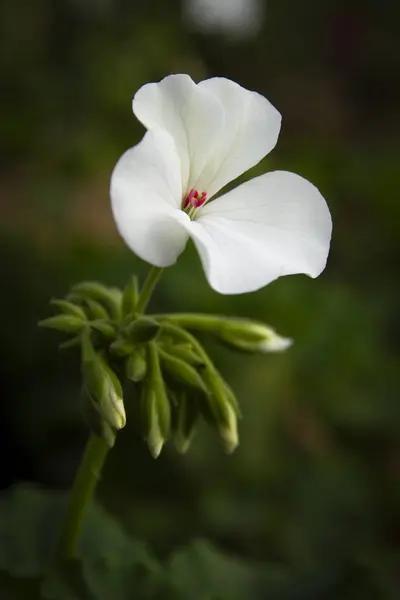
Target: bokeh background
(314, 484)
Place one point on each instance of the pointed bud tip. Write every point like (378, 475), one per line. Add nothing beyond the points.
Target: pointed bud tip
(181, 444)
(275, 343)
(230, 439)
(228, 431)
(155, 446)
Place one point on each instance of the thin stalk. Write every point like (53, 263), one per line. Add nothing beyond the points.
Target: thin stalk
(200, 322)
(81, 495)
(148, 287)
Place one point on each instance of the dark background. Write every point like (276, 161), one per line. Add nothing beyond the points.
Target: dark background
(315, 481)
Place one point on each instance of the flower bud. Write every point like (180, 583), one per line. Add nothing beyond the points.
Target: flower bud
(220, 408)
(251, 336)
(66, 323)
(106, 328)
(109, 297)
(96, 309)
(136, 365)
(186, 416)
(151, 420)
(181, 371)
(94, 418)
(143, 329)
(121, 347)
(102, 384)
(242, 334)
(185, 353)
(156, 411)
(69, 308)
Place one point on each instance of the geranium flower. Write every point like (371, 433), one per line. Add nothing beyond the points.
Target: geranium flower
(200, 137)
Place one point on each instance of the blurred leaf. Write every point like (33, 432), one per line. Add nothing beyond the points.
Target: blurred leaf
(201, 572)
(67, 582)
(113, 565)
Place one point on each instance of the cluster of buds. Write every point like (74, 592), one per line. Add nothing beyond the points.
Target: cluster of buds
(175, 382)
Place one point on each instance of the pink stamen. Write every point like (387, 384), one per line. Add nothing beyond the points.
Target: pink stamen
(195, 199)
(189, 198)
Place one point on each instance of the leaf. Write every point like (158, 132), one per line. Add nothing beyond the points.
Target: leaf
(111, 566)
(67, 582)
(200, 572)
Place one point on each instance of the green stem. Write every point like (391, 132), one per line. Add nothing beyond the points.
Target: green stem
(81, 495)
(148, 287)
(188, 337)
(209, 323)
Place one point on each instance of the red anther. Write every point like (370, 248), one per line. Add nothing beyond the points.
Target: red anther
(189, 198)
(195, 199)
(200, 200)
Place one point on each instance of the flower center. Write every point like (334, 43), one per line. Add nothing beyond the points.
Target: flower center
(193, 201)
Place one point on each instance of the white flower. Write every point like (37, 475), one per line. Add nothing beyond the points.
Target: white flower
(200, 137)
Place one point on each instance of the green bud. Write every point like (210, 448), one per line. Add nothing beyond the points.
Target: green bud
(69, 308)
(185, 418)
(186, 353)
(181, 371)
(94, 418)
(136, 365)
(130, 296)
(107, 329)
(110, 297)
(156, 410)
(242, 334)
(220, 409)
(71, 343)
(251, 336)
(66, 323)
(96, 309)
(121, 347)
(150, 417)
(143, 329)
(102, 384)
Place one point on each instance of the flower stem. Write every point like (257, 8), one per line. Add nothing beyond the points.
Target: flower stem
(200, 322)
(81, 495)
(148, 287)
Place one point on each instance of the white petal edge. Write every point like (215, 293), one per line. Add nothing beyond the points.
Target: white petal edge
(192, 116)
(146, 195)
(250, 131)
(273, 225)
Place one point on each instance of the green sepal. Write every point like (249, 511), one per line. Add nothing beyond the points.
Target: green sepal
(107, 329)
(96, 309)
(71, 343)
(156, 384)
(186, 353)
(110, 297)
(65, 323)
(102, 384)
(95, 419)
(69, 308)
(181, 371)
(150, 423)
(143, 329)
(220, 408)
(130, 296)
(185, 417)
(136, 364)
(121, 347)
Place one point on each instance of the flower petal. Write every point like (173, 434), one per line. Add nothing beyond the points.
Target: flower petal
(191, 115)
(276, 224)
(146, 194)
(251, 129)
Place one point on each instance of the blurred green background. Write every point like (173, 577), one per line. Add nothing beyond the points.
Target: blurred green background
(314, 484)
